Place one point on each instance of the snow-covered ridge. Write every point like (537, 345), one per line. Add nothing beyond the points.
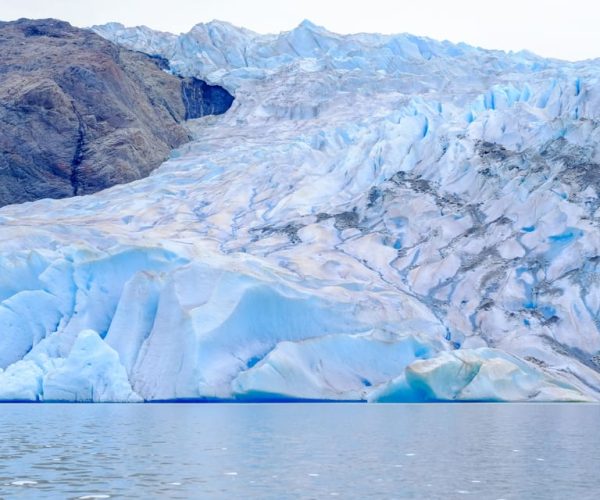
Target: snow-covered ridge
(220, 46)
(376, 218)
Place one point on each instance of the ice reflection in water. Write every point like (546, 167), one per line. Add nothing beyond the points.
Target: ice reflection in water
(299, 451)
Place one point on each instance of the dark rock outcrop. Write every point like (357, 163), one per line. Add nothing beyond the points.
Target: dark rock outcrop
(202, 99)
(79, 113)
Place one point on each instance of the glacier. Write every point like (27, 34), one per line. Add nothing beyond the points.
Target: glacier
(376, 218)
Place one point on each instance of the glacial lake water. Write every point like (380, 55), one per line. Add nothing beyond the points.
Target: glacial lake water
(483, 451)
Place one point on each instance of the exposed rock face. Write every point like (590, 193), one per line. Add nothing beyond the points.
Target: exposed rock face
(79, 113)
(201, 99)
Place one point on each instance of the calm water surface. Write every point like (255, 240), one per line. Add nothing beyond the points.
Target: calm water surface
(300, 451)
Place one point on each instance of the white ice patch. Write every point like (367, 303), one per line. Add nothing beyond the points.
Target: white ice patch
(475, 375)
(91, 372)
(21, 381)
(342, 367)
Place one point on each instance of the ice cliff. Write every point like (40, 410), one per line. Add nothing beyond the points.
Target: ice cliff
(381, 218)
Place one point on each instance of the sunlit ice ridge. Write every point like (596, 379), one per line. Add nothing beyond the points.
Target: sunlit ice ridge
(376, 218)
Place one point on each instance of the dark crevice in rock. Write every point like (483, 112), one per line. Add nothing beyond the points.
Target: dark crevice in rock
(78, 156)
(201, 99)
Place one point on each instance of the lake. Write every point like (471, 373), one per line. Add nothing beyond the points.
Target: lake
(421, 451)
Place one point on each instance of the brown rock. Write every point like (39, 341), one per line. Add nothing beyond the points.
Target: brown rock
(79, 113)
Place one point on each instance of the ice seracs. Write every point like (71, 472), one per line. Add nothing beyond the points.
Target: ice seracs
(21, 381)
(375, 218)
(332, 367)
(92, 372)
(475, 375)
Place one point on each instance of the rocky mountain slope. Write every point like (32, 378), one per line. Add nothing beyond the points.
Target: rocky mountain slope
(381, 218)
(79, 113)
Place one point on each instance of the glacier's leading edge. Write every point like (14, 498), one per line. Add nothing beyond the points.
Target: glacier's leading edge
(376, 218)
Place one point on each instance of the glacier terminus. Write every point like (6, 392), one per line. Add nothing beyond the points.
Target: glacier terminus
(376, 218)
